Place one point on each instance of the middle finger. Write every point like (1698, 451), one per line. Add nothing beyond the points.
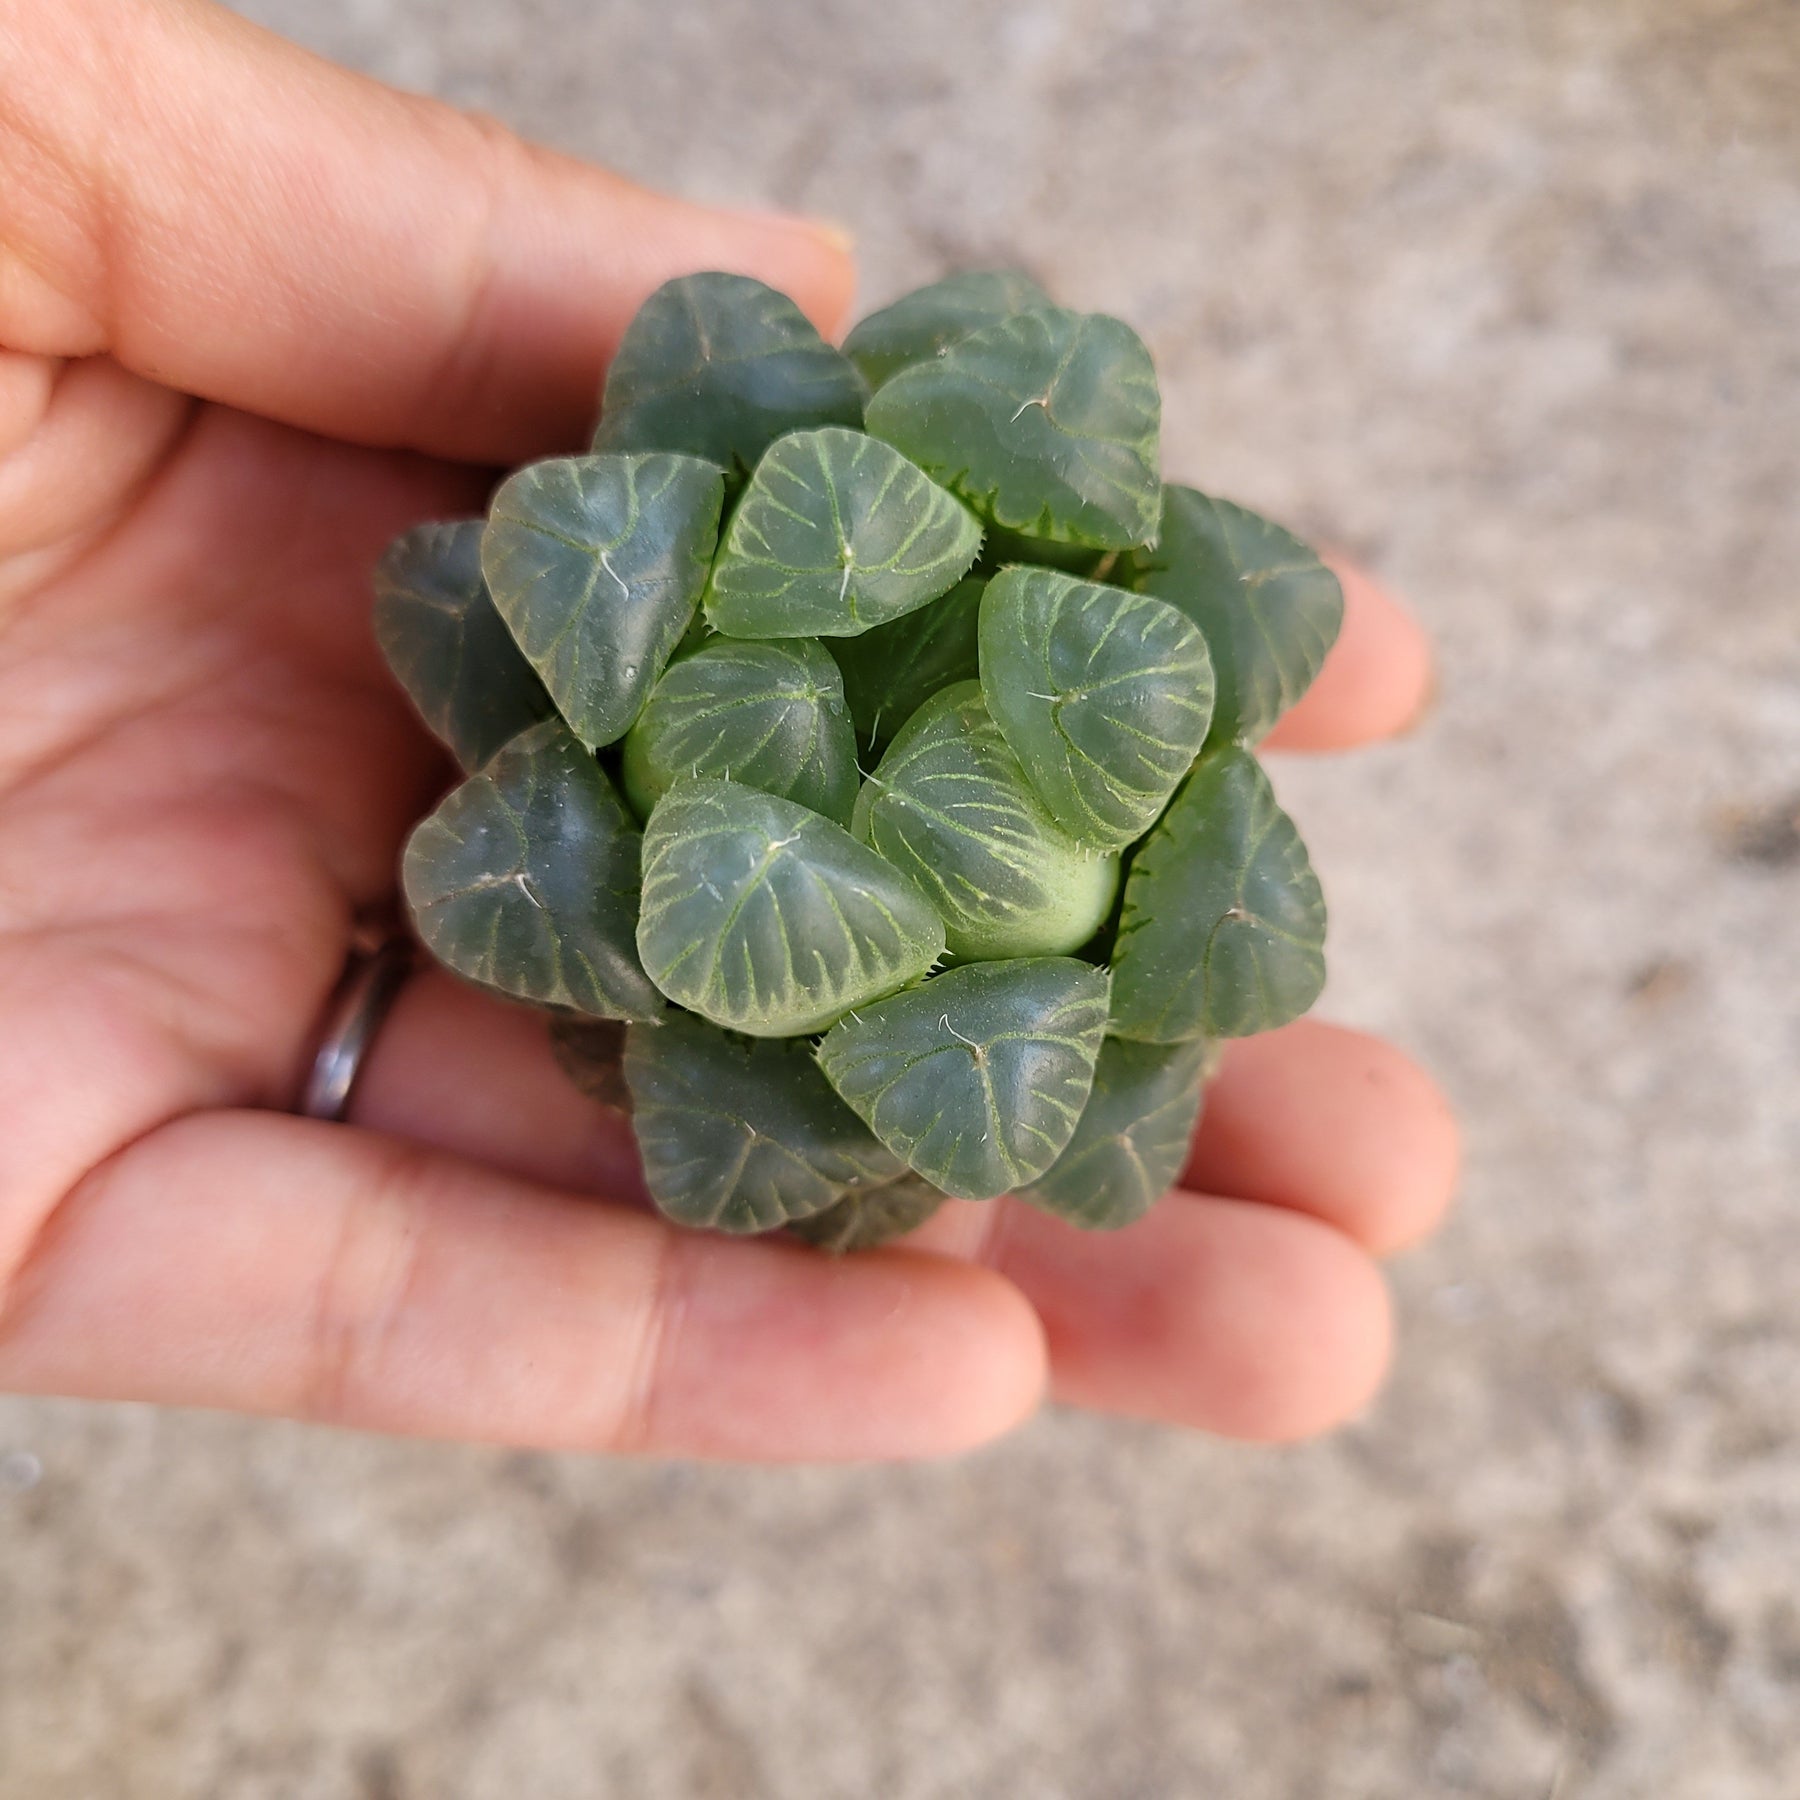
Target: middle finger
(1313, 1118)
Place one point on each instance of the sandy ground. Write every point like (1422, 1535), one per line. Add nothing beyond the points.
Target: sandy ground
(1507, 299)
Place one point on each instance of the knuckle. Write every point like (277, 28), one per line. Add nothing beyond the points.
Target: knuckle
(363, 1286)
(649, 1349)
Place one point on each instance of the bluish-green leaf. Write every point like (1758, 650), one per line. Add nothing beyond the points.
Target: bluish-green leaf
(742, 1135)
(765, 917)
(975, 1080)
(720, 366)
(866, 1217)
(591, 1052)
(771, 716)
(526, 880)
(1223, 930)
(890, 672)
(1267, 607)
(950, 807)
(1104, 697)
(437, 627)
(1133, 1139)
(1046, 423)
(596, 564)
(926, 322)
(836, 532)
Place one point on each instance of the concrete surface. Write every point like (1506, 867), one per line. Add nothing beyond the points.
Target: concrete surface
(1507, 297)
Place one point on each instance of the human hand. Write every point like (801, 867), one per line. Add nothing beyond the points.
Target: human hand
(258, 315)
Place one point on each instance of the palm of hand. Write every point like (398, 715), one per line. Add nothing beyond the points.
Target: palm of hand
(208, 773)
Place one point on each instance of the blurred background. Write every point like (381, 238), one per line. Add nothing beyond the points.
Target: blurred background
(1505, 299)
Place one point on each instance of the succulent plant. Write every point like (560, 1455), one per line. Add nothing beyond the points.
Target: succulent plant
(859, 760)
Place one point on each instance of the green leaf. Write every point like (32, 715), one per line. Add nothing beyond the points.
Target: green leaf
(437, 627)
(836, 533)
(1223, 932)
(1133, 1139)
(1104, 697)
(765, 917)
(977, 1079)
(867, 1217)
(1267, 607)
(771, 716)
(596, 564)
(591, 1052)
(720, 366)
(742, 1136)
(950, 807)
(526, 878)
(926, 322)
(1045, 423)
(1002, 547)
(890, 672)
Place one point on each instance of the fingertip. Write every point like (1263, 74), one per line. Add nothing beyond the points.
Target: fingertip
(1333, 1122)
(809, 260)
(1340, 1353)
(812, 261)
(1007, 1384)
(583, 249)
(1238, 1319)
(1378, 680)
(1424, 1184)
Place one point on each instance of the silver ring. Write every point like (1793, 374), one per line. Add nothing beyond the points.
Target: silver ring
(371, 983)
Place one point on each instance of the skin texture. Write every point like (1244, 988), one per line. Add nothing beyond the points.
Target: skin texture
(258, 315)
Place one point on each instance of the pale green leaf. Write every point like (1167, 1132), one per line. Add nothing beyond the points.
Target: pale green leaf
(1046, 423)
(836, 532)
(1104, 697)
(771, 716)
(1223, 930)
(950, 807)
(976, 1080)
(765, 917)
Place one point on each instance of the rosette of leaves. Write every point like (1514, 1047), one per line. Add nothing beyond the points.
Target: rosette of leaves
(857, 760)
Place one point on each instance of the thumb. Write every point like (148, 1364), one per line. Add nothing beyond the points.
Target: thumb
(230, 216)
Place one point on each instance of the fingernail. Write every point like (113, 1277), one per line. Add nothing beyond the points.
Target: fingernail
(839, 237)
(1428, 704)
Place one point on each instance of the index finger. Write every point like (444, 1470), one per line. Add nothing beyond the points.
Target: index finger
(228, 215)
(274, 1265)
